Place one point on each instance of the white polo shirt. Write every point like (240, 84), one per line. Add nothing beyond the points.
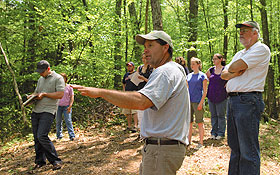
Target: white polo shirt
(253, 79)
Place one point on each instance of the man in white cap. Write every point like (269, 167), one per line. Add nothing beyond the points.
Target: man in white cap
(246, 75)
(165, 99)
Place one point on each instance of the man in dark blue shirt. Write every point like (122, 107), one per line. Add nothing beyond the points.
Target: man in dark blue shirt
(128, 85)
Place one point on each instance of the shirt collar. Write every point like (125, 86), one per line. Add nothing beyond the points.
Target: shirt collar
(50, 75)
(252, 47)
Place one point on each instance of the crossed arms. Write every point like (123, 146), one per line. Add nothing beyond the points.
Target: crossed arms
(237, 68)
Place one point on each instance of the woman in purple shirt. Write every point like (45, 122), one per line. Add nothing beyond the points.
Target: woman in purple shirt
(217, 97)
(65, 107)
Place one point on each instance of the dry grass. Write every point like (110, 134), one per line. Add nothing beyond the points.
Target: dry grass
(113, 151)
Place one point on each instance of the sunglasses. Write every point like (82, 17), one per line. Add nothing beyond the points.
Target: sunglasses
(244, 30)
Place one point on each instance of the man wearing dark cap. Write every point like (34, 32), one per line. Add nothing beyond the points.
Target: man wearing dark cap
(165, 99)
(128, 85)
(246, 75)
(50, 88)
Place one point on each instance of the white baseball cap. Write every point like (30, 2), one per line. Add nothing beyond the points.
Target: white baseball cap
(153, 35)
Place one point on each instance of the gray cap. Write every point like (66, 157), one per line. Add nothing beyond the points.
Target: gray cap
(153, 35)
(252, 24)
(42, 66)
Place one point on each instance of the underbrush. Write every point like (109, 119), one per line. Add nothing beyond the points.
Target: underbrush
(101, 114)
(270, 140)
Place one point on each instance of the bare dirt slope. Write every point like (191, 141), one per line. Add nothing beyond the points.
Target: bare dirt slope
(115, 152)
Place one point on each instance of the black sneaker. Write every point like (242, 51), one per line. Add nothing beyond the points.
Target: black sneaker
(72, 139)
(133, 130)
(37, 166)
(56, 166)
(127, 129)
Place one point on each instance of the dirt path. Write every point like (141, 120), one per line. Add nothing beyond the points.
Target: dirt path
(115, 152)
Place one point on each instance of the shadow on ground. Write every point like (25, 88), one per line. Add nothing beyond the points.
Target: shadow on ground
(94, 152)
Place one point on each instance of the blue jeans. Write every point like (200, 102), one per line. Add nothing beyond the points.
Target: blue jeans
(68, 122)
(243, 120)
(44, 148)
(218, 118)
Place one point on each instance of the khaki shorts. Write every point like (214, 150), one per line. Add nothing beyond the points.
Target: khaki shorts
(161, 159)
(198, 114)
(128, 111)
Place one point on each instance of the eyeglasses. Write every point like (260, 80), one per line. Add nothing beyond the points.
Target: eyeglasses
(244, 30)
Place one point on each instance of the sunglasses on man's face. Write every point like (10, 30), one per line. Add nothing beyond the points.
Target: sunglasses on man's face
(245, 30)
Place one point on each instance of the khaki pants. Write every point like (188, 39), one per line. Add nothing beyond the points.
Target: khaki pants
(198, 114)
(162, 159)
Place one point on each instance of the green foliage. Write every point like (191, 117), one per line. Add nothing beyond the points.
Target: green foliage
(11, 123)
(80, 39)
(270, 140)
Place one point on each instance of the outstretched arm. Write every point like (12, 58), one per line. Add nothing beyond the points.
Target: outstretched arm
(127, 99)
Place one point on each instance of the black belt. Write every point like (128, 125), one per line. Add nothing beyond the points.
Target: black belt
(162, 142)
(242, 93)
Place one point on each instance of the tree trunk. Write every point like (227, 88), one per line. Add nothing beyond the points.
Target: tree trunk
(193, 29)
(225, 5)
(278, 82)
(146, 17)
(126, 30)
(156, 14)
(15, 86)
(271, 102)
(30, 45)
(236, 33)
(207, 29)
(251, 10)
(117, 49)
(278, 78)
(135, 30)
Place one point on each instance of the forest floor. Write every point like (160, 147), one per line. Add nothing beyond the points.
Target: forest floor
(113, 151)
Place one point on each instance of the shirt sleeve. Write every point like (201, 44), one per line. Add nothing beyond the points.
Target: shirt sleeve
(71, 91)
(123, 80)
(158, 89)
(236, 57)
(36, 89)
(255, 57)
(60, 84)
(204, 77)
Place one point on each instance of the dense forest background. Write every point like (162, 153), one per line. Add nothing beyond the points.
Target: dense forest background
(91, 40)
